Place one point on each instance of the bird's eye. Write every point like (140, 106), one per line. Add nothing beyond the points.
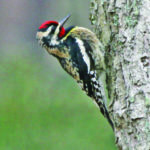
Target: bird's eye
(53, 30)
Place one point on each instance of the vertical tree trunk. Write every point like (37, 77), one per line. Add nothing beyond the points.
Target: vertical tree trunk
(123, 26)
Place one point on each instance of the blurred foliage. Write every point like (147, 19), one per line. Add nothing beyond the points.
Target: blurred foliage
(44, 110)
(41, 107)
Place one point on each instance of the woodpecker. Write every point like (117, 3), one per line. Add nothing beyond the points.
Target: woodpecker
(80, 54)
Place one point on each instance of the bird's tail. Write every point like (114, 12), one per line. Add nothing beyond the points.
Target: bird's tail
(106, 114)
(100, 98)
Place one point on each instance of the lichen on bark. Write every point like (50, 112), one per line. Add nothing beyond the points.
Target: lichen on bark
(123, 26)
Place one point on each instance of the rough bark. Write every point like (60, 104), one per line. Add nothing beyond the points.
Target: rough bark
(123, 26)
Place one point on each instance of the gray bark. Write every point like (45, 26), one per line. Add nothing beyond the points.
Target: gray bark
(123, 26)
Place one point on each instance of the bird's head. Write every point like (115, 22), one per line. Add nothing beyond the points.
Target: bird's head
(50, 32)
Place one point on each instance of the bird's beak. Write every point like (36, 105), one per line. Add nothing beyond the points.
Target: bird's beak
(64, 20)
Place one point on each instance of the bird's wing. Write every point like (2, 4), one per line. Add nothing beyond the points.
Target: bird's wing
(96, 54)
(93, 46)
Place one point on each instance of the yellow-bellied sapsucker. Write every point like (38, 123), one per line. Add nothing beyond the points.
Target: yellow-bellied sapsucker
(80, 54)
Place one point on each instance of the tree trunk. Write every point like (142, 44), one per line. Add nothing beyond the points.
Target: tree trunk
(123, 26)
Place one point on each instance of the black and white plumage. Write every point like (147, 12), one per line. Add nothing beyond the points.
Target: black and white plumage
(80, 54)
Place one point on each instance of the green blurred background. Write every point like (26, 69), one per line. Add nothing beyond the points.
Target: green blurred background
(41, 107)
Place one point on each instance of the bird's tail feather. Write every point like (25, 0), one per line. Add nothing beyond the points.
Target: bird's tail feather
(106, 115)
(100, 97)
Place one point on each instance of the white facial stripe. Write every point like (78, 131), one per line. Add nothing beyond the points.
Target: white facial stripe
(54, 38)
(45, 34)
(84, 54)
(57, 30)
